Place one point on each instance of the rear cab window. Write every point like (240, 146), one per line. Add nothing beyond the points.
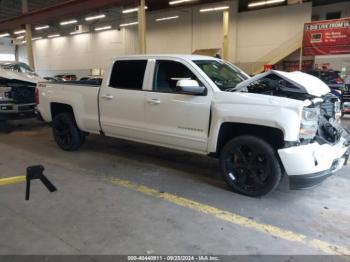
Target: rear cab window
(128, 74)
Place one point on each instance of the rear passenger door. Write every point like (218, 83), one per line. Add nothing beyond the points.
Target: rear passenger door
(121, 100)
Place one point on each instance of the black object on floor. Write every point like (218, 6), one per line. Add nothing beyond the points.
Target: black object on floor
(37, 172)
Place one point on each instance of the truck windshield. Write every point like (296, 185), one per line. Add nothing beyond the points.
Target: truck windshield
(225, 76)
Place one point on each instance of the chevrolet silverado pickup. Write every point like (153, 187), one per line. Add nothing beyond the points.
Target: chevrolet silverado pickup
(261, 128)
(17, 91)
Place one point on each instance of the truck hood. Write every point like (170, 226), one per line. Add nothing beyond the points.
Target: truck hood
(13, 75)
(304, 82)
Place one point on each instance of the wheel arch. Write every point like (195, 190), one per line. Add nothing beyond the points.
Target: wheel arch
(228, 130)
(57, 108)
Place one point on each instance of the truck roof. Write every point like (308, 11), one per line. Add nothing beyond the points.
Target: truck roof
(174, 56)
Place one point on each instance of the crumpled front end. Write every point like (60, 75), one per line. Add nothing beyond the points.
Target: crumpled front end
(313, 160)
(17, 99)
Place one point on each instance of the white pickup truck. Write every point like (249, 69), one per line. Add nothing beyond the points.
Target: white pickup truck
(261, 128)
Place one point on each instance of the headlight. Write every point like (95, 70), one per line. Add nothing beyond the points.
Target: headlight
(337, 107)
(309, 123)
(5, 93)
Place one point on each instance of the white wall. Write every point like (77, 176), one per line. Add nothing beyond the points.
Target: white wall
(261, 31)
(252, 35)
(80, 52)
(7, 50)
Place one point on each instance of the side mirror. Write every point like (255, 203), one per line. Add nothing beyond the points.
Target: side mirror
(190, 87)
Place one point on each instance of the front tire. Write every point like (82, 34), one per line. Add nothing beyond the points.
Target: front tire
(250, 166)
(67, 134)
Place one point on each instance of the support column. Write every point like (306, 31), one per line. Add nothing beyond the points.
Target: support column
(301, 55)
(28, 37)
(142, 27)
(225, 45)
(16, 54)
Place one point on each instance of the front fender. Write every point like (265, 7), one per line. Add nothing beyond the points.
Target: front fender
(282, 113)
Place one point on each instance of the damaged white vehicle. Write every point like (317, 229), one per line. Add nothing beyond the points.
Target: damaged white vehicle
(17, 91)
(262, 128)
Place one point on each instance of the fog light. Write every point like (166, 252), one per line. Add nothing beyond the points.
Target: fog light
(6, 107)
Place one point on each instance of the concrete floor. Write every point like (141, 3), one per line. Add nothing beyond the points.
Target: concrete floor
(92, 215)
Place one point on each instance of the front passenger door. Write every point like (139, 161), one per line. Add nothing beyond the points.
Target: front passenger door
(174, 119)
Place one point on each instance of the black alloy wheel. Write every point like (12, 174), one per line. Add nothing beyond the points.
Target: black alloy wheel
(66, 132)
(250, 166)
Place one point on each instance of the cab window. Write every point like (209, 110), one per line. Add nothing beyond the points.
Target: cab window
(166, 75)
(128, 74)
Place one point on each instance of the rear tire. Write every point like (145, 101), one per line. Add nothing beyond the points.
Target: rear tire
(250, 166)
(4, 127)
(67, 134)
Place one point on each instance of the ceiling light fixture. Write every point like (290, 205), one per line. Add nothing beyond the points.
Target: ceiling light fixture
(42, 27)
(20, 37)
(52, 36)
(37, 38)
(95, 17)
(103, 28)
(19, 32)
(177, 2)
(263, 3)
(4, 35)
(167, 18)
(213, 9)
(132, 10)
(69, 22)
(129, 24)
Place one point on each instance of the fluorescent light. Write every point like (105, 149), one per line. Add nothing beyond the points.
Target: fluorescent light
(95, 17)
(75, 33)
(42, 27)
(167, 18)
(19, 32)
(52, 36)
(268, 2)
(69, 22)
(103, 28)
(219, 8)
(176, 2)
(24, 42)
(4, 35)
(132, 10)
(20, 37)
(128, 24)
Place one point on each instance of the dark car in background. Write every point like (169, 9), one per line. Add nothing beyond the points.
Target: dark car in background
(332, 78)
(65, 77)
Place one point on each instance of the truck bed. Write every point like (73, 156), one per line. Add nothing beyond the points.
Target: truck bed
(81, 96)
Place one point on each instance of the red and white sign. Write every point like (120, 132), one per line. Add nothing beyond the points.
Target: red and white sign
(330, 37)
(268, 67)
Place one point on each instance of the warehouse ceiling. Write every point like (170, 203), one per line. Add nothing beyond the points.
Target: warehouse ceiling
(13, 8)
(52, 12)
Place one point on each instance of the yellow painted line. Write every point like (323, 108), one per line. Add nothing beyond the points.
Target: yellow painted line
(233, 218)
(12, 180)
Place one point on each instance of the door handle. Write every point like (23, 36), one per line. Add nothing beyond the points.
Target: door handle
(108, 97)
(154, 102)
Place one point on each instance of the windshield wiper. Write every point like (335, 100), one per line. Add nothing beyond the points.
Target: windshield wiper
(230, 89)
